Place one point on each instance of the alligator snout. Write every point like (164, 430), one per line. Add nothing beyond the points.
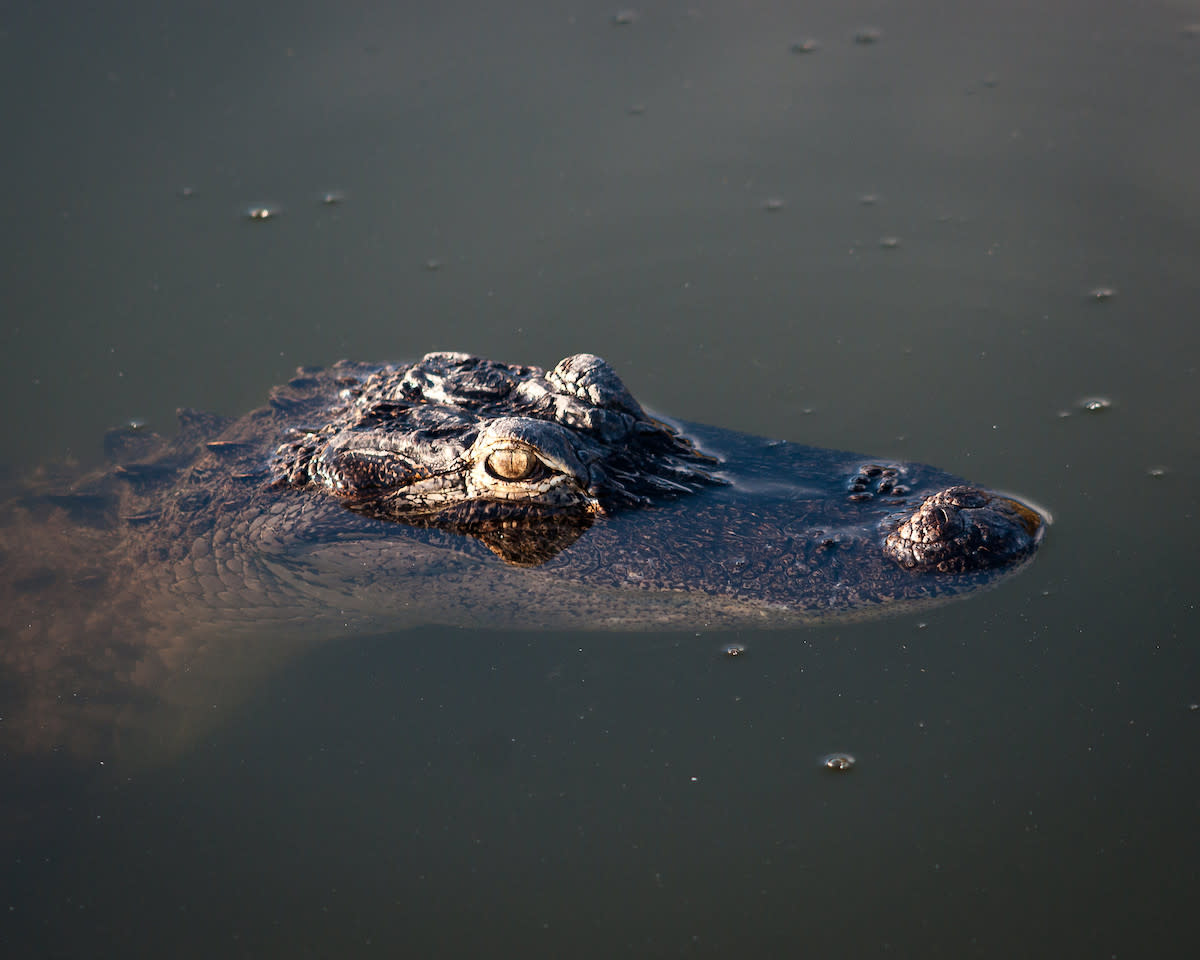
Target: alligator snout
(965, 528)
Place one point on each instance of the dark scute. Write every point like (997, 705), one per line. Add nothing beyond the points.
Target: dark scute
(486, 381)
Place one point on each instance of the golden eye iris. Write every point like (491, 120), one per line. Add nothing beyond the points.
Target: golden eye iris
(513, 463)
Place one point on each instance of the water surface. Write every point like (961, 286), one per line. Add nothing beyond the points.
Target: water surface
(934, 246)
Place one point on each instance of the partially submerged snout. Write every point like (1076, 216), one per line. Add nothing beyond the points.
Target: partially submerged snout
(965, 528)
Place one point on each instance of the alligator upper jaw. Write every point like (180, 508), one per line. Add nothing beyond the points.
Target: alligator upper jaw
(965, 528)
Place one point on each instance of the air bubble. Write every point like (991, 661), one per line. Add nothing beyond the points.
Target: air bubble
(261, 213)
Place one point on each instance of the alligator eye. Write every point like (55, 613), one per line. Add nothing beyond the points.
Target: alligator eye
(513, 463)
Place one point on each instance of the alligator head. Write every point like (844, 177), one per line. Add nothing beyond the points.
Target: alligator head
(520, 459)
(525, 460)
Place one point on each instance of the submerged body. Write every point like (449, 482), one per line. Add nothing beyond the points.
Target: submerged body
(456, 491)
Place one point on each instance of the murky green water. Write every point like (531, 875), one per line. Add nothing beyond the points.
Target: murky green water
(891, 247)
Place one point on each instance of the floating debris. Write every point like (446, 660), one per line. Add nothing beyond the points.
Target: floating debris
(623, 18)
(1102, 294)
(807, 45)
(889, 243)
(838, 762)
(733, 650)
(773, 204)
(867, 35)
(1095, 404)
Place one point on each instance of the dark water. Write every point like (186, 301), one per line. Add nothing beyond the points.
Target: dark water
(684, 195)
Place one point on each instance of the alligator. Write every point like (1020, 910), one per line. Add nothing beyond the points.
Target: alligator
(458, 491)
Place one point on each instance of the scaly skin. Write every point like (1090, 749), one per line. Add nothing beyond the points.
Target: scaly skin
(450, 491)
